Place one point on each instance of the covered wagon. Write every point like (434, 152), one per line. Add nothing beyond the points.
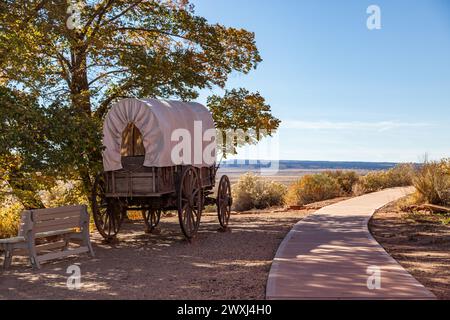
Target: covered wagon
(158, 155)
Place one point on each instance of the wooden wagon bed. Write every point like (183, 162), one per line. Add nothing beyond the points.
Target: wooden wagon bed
(135, 180)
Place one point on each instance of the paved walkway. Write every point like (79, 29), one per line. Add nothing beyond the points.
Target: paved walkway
(332, 255)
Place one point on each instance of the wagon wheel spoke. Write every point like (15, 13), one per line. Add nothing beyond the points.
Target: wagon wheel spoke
(188, 220)
(107, 212)
(189, 202)
(112, 225)
(186, 213)
(225, 209)
(105, 222)
(223, 201)
(192, 219)
(151, 219)
(195, 210)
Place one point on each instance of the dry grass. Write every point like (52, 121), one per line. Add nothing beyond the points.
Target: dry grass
(252, 192)
(432, 182)
(313, 188)
(9, 220)
(345, 179)
(400, 176)
(419, 241)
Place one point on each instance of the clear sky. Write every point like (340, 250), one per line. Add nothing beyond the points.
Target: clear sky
(344, 92)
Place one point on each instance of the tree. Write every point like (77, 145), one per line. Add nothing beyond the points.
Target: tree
(21, 142)
(242, 118)
(119, 48)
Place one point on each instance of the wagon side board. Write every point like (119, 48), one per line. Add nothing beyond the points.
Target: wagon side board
(143, 181)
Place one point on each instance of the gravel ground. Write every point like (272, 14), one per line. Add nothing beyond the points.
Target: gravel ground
(216, 265)
(420, 243)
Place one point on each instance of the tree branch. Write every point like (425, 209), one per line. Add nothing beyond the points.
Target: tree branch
(106, 74)
(153, 31)
(99, 16)
(123, 12)
(38, 7)
(98, 13)
(119, 93)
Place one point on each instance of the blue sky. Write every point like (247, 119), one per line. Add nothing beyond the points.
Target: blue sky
(344, 92)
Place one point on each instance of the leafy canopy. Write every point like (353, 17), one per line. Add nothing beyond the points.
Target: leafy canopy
(123, 48)
(58, 82)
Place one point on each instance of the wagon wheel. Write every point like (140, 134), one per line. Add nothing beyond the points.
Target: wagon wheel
(224, 201)
(190, 204)
(151, 219)
(108, 213)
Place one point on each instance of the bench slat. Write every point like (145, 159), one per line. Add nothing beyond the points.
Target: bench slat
(53, 216)
(54, 233)
(62, 254)
(56, 225)
(71, 221)
(50, 245)
(44, 212)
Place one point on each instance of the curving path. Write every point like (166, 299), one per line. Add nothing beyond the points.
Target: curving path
(332, 255)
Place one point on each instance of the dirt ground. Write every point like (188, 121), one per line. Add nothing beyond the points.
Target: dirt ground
(419, 242)
(216, 265)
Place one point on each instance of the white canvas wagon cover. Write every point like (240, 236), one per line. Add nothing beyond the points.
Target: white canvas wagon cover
(156, 121)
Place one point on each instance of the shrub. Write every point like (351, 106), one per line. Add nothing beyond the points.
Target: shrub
(399, 176)
(345, 179)
(64, 194)
(271, 194)
(9, 220)
(313, 188)
(432, 183)
(252, 192)
(371, 182)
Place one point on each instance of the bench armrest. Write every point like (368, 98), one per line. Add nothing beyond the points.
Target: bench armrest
(12, 240)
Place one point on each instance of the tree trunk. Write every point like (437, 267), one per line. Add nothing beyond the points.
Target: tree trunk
(79, 86)
(81, 98)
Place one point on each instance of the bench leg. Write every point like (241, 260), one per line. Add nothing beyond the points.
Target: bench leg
(87, 243)
(66, 242)
(87, 240)
(8, 257)
(91, 250)
(33, 255)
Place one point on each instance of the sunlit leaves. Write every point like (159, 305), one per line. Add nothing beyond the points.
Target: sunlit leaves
(244, 111)
(162, 46)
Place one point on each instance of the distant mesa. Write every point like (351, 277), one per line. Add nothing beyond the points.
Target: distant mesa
(308, 165)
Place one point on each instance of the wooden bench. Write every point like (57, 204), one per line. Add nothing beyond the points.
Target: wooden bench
(65, 223)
